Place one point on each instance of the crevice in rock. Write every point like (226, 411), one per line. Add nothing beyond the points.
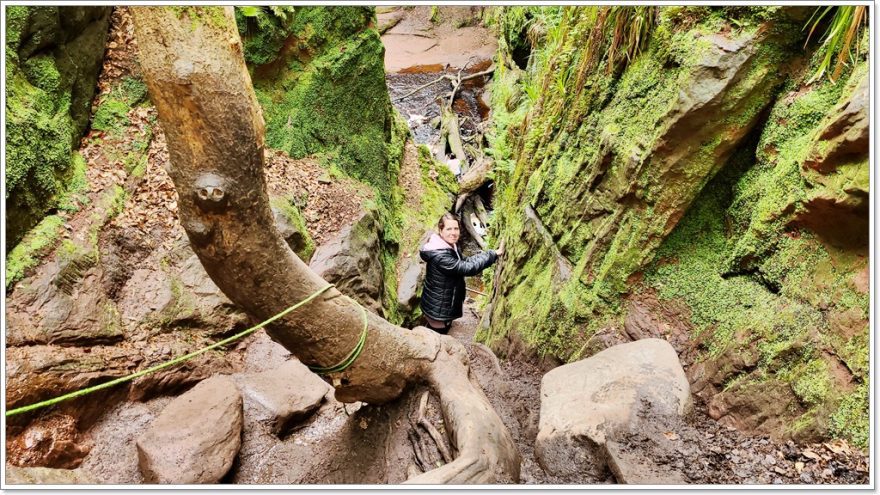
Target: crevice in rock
(564, 265)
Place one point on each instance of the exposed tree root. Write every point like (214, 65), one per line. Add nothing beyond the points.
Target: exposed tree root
(419, 450)
(491, 355)
(486, 451)
(432, 431)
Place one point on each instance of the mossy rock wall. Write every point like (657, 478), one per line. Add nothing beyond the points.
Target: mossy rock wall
(708, 170)
(608, 160)
(319, 75)
(772, 261)
(53, 57)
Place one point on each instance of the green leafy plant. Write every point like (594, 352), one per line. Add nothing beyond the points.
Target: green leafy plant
(283, 13)
(629, 29)
(839, 38)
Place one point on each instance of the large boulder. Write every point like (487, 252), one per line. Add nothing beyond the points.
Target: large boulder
(351, 261)
(410, 282)
(157, 299)
(292, 227)
(844, 134)
(588, 403)
(411, 275)
(282, 397)
(196, 437)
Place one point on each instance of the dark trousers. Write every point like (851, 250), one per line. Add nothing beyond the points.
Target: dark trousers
(443, 329)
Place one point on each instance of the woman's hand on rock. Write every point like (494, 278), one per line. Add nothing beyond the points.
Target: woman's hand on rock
(500, 249)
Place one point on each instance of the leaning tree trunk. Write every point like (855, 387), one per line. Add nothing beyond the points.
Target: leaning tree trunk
(196, 76)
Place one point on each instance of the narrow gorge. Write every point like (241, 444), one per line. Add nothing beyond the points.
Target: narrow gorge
(682, 194)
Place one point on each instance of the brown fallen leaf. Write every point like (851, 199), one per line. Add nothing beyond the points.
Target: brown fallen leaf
(836, 446)
(809, 454)
(671, 435)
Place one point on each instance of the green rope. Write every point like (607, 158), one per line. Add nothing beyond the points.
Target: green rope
(80, 393)
(352, 356)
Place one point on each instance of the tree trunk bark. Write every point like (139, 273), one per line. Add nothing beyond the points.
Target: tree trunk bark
(196, 76)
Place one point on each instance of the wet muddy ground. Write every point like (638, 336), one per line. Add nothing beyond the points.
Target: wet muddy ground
(702, 450)
(418, 52)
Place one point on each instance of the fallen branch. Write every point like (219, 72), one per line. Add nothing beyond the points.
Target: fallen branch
(455, 85)
(458, 80)
(474, 178)
(423, 86)
(451, 129)
(480, 210)
(475, 75)
(413, 34)
(470, 217)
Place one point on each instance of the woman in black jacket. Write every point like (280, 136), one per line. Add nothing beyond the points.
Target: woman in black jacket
(444, 289)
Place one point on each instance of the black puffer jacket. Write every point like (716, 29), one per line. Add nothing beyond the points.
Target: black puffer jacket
(444, 289)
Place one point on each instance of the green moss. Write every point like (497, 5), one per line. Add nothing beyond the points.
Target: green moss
(16, 19)
(39, 134)
(747, 275)
(338, 105)
(42, 72)
(305, 246)
(77, 186)
(112, 115)
(111, 320)
(851, 420)
(199, 15)
(585, 147)
(35, 244)
(112, 112)
(74, 260)
(812, 383)
(46, 102)
(276, 33)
